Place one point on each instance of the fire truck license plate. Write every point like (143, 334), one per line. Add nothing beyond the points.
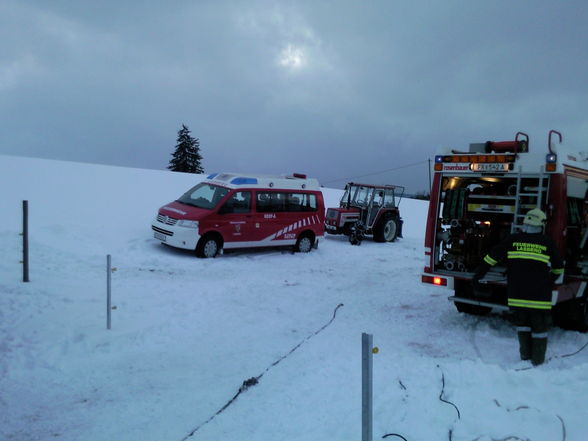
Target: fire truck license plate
(490, 167)
(159, 236)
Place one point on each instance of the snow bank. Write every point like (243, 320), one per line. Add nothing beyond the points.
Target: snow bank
(187, 332)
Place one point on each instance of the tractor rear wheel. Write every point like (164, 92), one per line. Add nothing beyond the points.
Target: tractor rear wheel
(386, 230)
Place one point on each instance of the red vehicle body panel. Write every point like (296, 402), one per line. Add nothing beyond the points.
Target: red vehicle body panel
(253, 228)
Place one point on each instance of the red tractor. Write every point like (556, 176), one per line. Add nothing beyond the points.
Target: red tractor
(367, 210)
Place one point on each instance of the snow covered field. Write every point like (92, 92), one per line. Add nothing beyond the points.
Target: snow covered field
(187, 332)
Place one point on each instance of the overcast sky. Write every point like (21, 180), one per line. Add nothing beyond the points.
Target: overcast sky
(335, 89)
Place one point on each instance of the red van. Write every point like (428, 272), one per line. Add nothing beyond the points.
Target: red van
(228, 210)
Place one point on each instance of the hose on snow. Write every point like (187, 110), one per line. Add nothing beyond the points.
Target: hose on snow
(443, 390)
(573, 353)
(255, 380)
(395, 434)
(440, 399)
(556, 356)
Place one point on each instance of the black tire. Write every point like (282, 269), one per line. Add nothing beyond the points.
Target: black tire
(581, 322)
(386, 230)
(464, 290)
(304, 243)
(468, 308)
(208, 247)
(572, 315)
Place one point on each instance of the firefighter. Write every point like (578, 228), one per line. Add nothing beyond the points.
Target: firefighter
(533, 264)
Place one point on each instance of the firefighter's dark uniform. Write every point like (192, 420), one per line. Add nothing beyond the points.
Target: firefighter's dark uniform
(533, 264)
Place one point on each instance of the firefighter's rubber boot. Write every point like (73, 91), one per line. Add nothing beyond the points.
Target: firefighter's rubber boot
(525, 345)
(539, 349)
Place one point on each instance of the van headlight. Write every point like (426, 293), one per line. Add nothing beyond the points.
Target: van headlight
(188, 223)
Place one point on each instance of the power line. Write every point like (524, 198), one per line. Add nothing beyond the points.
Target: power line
(377, 173)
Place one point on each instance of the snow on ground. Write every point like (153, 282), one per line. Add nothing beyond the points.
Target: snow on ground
(187, 332)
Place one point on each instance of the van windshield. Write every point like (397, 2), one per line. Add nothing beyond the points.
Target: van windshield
(205, 196)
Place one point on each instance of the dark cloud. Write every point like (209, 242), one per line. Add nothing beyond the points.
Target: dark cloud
(335, 89)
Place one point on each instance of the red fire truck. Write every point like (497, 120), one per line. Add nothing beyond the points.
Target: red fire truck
(480, 195)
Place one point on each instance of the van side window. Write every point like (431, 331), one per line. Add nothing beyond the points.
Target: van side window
(270, 202)
(239, 202)
(302, 202)
(277, 202)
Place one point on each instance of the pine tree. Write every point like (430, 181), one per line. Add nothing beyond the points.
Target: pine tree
(186, 158)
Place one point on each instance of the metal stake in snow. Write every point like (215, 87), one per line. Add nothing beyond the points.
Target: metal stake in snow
(108, 290)
(25, 241)
(367, 351)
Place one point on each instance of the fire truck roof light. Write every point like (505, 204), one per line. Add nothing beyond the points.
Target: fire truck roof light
(475, 159)
(551, 158)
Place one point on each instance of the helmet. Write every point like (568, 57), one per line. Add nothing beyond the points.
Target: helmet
(535, 218)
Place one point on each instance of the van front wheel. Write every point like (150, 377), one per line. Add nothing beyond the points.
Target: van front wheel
(207, 247)
(304, 244)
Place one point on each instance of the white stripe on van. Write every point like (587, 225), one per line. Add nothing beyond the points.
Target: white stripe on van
(260, 243)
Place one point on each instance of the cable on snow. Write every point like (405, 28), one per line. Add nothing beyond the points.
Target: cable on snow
(554, 357)
(443, 390)
(255, 380)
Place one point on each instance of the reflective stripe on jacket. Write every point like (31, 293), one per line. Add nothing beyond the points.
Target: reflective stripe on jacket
(521, 303)
(531, 259)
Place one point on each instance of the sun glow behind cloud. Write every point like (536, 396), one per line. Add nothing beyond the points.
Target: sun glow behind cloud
(292, 57)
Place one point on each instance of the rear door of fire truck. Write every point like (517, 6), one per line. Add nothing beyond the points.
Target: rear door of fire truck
(478, 197)
(481, 198)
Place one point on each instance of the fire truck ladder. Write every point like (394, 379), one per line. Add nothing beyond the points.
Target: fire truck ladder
(534, 193)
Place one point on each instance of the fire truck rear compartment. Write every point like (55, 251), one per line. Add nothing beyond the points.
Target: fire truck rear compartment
(477, 213)
(481, 195)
